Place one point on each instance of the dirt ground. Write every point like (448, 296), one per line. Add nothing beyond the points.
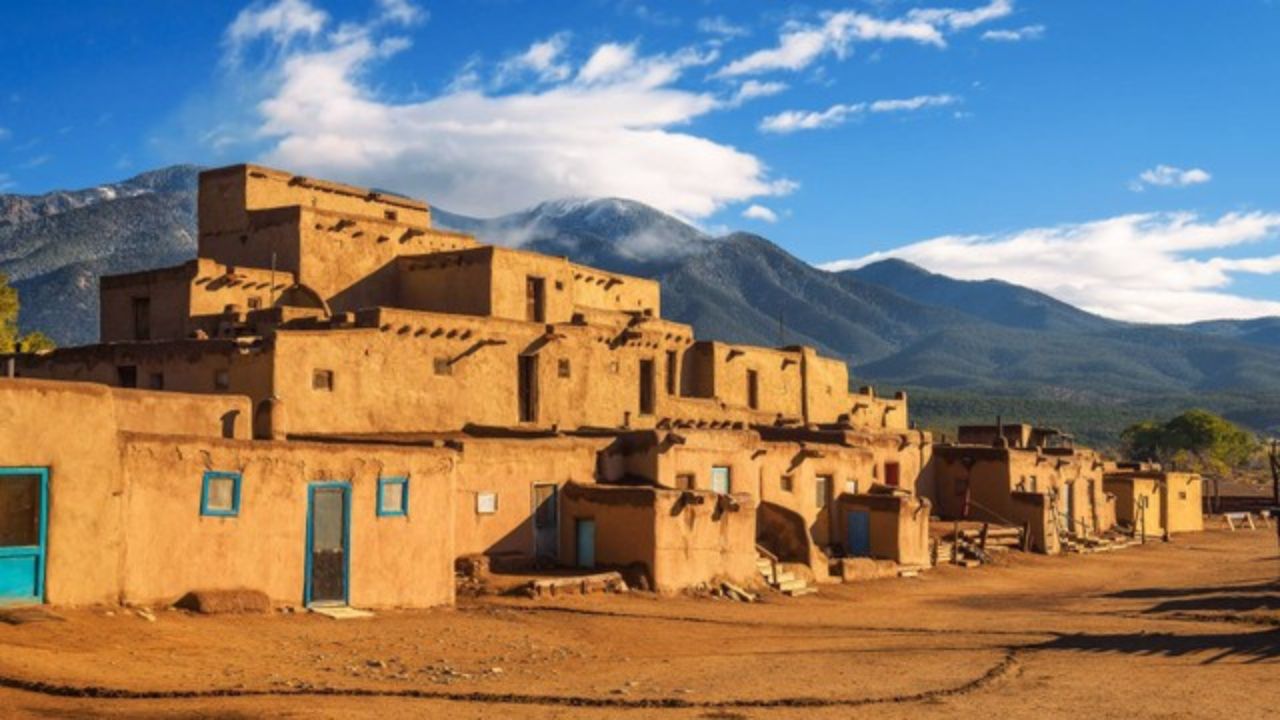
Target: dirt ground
(1189, 629)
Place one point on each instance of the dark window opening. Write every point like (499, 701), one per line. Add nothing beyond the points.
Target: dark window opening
(646, 387)
(221, 380)
(528, 388)
(128, 375)
(788, 483)
(684, 481)
(255, 303)
(141, 318)
(563, 367)
(19, 510)
(390, 215)
(753, 390)
(672, 372)
(535, 295)
(442, 366)
(322, 380)
(156, 381)
(892, 474)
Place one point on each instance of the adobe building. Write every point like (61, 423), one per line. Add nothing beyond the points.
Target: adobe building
(1024, 476)
(1151, 502)
(344, 371)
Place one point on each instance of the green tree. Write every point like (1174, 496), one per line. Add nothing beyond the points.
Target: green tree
(1196, 438)
(9, 323)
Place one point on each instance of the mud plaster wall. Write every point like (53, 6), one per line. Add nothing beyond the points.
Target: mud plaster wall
(1185, 511)
(171, 413)
(71, 430)
(170, 548)
(510, 469)
(625, 525)
(899, 526)
(698, 544)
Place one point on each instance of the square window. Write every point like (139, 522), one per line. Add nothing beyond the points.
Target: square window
(563, 367)
(486, 503)
(443, 366)
(390, 215)
(720, 480)
(393, 496)
(220, 494)
(851, 487)
(685, 481)
(788, 483)
(322, 380)
(221, 380)
(156, 381)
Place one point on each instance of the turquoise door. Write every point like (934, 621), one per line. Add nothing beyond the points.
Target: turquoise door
(858, 528)
(586, 533)
(24, 514)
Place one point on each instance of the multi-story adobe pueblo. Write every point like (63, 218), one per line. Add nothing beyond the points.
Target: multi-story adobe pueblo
(336, 400)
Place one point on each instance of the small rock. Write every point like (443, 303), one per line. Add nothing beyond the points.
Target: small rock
(376, 664)
(145, 614)
(495, 670)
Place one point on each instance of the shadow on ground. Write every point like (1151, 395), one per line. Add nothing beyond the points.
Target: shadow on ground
(1249, 647)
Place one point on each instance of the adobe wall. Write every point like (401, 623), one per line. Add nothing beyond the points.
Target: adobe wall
(826, 387)
(779, 385)
(509, 469)
(172, 548)
(448, 282)
(192, 415)
(70, 428)
(684, 539)
(899, 525)
(601, 290)
(1185, 511)
(228, 194)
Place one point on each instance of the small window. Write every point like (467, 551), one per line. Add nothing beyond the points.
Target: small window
(851, 487)
(614, 367)
(562, 367)
(220, 496)
(156, 381)
(128, 375)
(221, 380)
(255, 303)
(442, 366)
(486, 503)
(393, 496)
(684, 481)
(821, 491)
(390, 215)
(1182, 494)
(720, 480)
(788, 483)
(322, 380)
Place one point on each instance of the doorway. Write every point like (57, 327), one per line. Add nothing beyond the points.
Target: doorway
(585, 533)
(858, 531)
(892, 474)
(1069, 493)
(24, 515)
(646, 387)
(546, 523)
(528, 388)
(328, 544)
(535, 299)
(753, 389)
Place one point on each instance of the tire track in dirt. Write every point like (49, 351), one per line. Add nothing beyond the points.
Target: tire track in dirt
(1004, 668)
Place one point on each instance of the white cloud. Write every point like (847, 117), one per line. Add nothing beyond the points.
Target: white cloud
(761, 213)
(609, 129)
(1027, 32)
(1152, 267)
(401, 11)
(1169, 176)
(544, 59)
(794, 120)
(282, 21)
(753, 89)
(799, 45)
(721, 26)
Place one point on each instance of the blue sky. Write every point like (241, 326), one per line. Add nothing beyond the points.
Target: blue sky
(1118, 155)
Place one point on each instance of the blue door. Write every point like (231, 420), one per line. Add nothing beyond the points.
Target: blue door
(328, 558)
(858, 527)
(586, 534)
(24, 515)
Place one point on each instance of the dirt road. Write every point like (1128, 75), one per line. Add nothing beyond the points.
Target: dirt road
(1189, 629)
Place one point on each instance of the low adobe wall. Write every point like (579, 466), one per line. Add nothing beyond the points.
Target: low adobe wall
(172, 549)
(684, 539)
(899, 525)
(171, 413)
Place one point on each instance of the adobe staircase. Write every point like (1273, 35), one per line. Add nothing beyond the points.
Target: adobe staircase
(1071, 541)
(971, 547)
(784, 581)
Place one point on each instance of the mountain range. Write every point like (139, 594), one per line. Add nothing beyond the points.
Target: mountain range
(955, 344)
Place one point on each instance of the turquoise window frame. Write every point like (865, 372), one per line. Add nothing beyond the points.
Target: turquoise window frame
(403, 481)
(207, 480)
(346, 539)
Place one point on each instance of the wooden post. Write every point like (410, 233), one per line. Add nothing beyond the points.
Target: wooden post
(955, 543)
(1275, 472)
(982, 539)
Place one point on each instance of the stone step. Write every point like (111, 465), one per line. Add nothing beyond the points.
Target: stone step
(790, 585)
(806, 590)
